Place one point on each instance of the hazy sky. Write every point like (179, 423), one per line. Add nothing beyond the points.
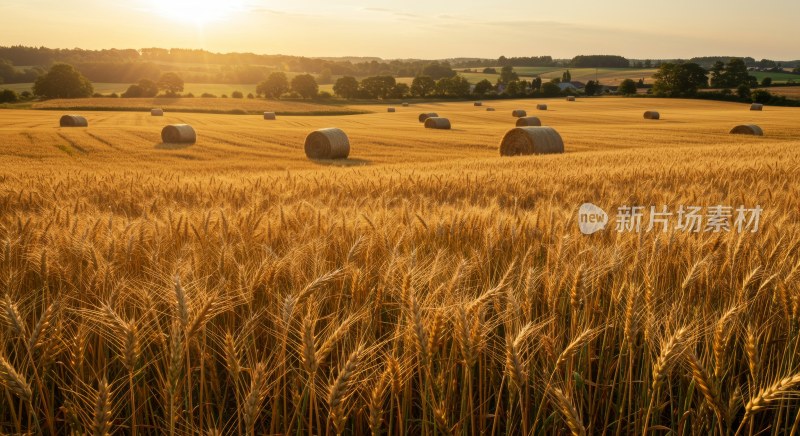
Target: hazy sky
(414, 28)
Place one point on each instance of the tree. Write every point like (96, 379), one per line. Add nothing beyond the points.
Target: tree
(149, 88)
(482, 87)
(422, 86)
(438, 71)
(237, 94)
(489, 70)
(591, 87)
(743, 91)
(627, 87)
(346, 87)
(566, 77)
(8, 96)
(761, 96)
(507, 74)
(62, 81)
(401, 90)
(551, 89)
(512, 88)
(679, 80)
(133, 91)
(536, 83)
(767, 81)
(170, 83)
(718, 75)
(305, 85)
(276, 85)
(378, 86)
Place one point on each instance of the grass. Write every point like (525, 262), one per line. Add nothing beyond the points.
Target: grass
(434, 287)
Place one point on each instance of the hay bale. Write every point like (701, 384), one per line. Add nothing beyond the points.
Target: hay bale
(270, 116)
(478, 103)
(437, 123)
(391, 110)
(489, 109)
(528, 122)
(405, 104)
(531, 140)
(423, 117)
(519, 113)
(541, 107)
(652, 115)
(571, 98)
(156, 112)
(331, 143)
(178, 134)
(747, 129)
(73, 121)
(756, 107)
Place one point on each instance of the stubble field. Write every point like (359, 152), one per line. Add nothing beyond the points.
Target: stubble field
(424, 286)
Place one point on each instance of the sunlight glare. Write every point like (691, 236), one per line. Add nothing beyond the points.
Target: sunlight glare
(198, 12)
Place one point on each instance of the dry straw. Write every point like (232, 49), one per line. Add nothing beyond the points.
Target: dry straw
(489, 109)
(478, 103)
(405, 104)
(157, 112)
(541, 107)
(571, 98)
(331, 143)
(652, 115)
(425, 116)
(391, 109)
(269, 116)
(529, 122)
(756, 107)
(437, 123)
(531, 140)
(178, 134)
(73, 121)
(519, 113)
(747, 129)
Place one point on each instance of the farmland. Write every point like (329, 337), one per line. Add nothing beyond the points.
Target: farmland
(425, 285)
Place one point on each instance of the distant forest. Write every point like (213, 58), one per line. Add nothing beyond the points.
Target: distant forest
(20, 64)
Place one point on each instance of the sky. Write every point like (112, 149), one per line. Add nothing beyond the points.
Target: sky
(421, 29)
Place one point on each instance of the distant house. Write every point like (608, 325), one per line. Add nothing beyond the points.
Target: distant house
(567, 86)
(578, 85)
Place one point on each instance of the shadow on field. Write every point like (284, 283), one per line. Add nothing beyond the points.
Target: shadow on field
(341, 162)
(172, 146)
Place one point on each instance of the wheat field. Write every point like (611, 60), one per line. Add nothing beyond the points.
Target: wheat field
(424, 286)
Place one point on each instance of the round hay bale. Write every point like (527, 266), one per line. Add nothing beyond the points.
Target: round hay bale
(528, 122)
(519, 113)
(178, 134)
(531, 140)
(756, 107)
(571, 98)
(156, 112)
(329, 143)
(489, 109)
(73, 121)
(747, 129)
(391, 109)
(437, 123)
(652, 115)
(405, 104)
(423, 117)
(270, 116)
(541, 107)
(478, 103)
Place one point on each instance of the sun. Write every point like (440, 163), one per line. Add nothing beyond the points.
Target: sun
(197, 12)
